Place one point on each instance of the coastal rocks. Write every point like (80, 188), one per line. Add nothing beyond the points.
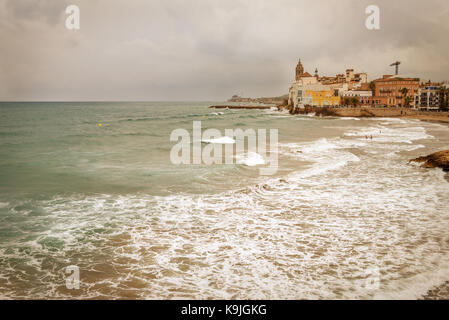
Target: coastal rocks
(343, 112)
(324, 112)
(438, 293)
(305, 110)
(284, 105)
(435, 160)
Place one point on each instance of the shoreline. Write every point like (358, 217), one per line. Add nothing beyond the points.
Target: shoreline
(436, 292)
(372, 112)
(434, 119)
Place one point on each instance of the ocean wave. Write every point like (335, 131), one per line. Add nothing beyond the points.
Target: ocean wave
(221, 140)
(251, 159)
(346, 219)
(336, 229)
(391, 134)
(4, 204)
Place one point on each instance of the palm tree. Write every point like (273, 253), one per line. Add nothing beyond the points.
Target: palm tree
(446, 100)
(444, 97)
(404, 92)
(372, 86)
(354, 101)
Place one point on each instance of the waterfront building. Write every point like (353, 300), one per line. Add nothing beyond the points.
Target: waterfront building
(339, 88)
(303, 78)
(389, 90)
(321, 91)
(428, 96)
(355, 80)
(313, 95)
(322, 97)
(296, 96)
(351, 79)
(363, 94)
(338, 79)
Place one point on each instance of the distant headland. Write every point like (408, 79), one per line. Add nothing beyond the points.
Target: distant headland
(267, 100)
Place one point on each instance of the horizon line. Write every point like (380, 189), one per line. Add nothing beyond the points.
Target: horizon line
(70, 101)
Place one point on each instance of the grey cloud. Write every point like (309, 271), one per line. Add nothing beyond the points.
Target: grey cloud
(43, 10)
(203, 50)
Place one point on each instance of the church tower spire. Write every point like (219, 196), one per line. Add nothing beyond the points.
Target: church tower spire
(299, 70)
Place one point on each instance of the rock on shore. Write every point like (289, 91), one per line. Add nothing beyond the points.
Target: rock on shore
(435, 160)
(438, 293)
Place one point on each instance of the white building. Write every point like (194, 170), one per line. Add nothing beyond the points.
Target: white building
(358, 93)
(428, 96)
(340, 87)
(309, 94)
(364, 96)
(296, 96)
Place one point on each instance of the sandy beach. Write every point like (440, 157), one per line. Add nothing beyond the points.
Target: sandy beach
(370, 112)
(430, 117)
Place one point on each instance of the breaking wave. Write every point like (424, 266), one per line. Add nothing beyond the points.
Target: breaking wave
(349, 215)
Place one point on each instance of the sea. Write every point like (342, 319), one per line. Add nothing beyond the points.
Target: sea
(90, 187)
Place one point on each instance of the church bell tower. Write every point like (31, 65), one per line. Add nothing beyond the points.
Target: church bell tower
(299, 70)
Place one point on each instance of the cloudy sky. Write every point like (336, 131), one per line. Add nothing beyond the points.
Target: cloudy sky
(208, 49)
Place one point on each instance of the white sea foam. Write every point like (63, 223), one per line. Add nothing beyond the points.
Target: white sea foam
(319, 146)
(391, 135)
(221, 140)
(316, 233)
(418, 285)
(324, 154)
(251, 159)
(390, 120)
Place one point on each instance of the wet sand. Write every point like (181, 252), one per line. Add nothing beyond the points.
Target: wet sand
(431, 118)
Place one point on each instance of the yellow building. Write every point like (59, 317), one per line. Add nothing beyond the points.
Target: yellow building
(323, 98)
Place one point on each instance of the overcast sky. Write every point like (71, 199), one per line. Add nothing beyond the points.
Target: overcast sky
(208, 49)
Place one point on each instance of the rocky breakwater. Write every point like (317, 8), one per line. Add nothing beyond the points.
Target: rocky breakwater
(435, 160)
